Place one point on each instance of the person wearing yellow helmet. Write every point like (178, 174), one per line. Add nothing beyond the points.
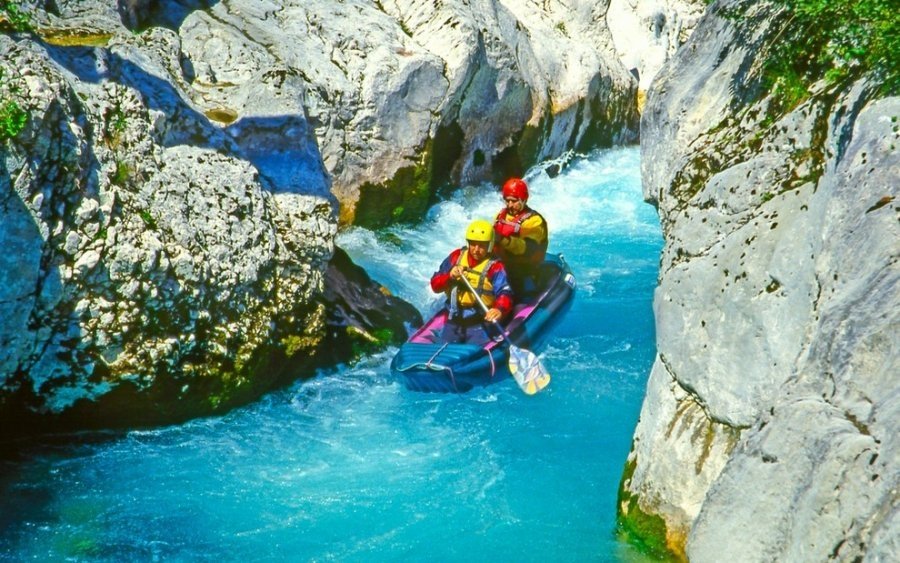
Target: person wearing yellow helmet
(522, 237)
(466, 320)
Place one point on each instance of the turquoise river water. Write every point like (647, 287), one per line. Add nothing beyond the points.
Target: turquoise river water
(351, 466)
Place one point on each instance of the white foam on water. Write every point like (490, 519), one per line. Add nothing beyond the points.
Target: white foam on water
(350, 465)
(591, 199)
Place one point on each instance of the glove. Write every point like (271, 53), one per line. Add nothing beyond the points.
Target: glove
(506, 229)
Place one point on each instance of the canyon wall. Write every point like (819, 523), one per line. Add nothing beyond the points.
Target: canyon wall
(172, 178)
(768, 432)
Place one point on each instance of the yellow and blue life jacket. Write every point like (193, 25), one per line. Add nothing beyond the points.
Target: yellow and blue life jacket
(478, 278)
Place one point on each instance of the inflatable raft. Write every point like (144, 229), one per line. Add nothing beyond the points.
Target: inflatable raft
(425, 363)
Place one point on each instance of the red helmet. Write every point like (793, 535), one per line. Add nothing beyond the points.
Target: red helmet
(517, 188)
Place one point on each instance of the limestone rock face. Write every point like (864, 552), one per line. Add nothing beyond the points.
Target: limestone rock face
(769, 428)
(173, 198)
(151, 279)
(648, 32)
(423, 94)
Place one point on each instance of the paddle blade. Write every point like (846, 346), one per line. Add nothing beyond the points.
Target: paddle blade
(527, 370)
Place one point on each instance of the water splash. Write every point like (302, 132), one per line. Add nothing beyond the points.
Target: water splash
(351, 466)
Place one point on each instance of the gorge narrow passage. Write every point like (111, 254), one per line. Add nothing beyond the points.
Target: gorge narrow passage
(351, 466)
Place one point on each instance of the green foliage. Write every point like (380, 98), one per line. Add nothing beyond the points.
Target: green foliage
(122, 174)
(383, 335)
(147, 219)
(12, 119)
(115, 124)
(834, 40)
(115, 121)
(367, 343)
(13, 18)
(403, 198)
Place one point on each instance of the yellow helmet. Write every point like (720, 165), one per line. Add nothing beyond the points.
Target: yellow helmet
(480, 231)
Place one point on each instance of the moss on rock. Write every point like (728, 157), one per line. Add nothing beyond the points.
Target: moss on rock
(75, 38)
(364, 343)
(402, 199)
(646, 532)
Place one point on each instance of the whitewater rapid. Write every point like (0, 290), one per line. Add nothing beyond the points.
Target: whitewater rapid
(351, 466)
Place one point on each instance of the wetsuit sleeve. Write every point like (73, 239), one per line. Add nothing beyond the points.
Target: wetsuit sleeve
(503, 296)
(441, 279)
(531, 237)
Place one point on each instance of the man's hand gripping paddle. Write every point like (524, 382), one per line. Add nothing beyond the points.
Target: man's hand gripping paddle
(524, 366)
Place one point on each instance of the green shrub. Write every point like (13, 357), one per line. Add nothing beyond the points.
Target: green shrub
(13, 17)
(834, 40)
(122, 174)
(12, 119)
(147, 218)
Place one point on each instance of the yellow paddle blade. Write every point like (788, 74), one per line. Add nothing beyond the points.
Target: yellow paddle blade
(535, 385)
(527, 370)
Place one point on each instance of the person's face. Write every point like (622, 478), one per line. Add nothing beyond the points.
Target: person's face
(478, 250)
(514, 206)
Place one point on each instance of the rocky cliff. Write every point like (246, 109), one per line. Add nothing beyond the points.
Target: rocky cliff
(647, 33)
(769, 429)
(148, 277)
(172, 176)
(406, 96)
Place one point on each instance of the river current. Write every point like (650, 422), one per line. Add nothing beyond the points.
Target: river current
(351, 466)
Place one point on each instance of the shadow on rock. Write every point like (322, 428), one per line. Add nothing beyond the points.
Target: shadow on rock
(281, 147)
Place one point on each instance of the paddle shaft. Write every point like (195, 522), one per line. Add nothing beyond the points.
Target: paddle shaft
(484, 307)
(528, 386)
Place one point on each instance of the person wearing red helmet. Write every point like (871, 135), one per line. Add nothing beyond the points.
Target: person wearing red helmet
(522, 238)
(466, 321)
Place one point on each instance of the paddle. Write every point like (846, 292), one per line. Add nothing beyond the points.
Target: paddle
(524, 366)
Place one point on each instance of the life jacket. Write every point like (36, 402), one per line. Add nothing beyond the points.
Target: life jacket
(478, 278)
(519, 261)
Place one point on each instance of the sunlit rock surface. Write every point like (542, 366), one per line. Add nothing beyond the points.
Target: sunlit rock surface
(407, 96)
(648, 32)
(173, 199)
(162, 265)
(161, 276)
(769, 428)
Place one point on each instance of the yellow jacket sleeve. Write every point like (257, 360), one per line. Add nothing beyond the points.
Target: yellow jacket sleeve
(533, 228)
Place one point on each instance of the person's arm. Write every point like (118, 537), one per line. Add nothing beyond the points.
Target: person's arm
(440, 280)
(532, 234)
(503, 302)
